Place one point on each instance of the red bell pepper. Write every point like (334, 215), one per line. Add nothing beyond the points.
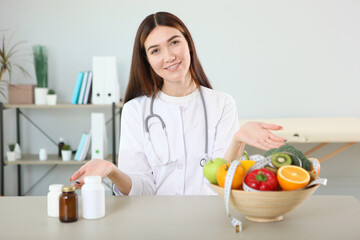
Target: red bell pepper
(261, 179)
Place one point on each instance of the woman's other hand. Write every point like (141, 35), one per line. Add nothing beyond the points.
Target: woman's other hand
(95, 167)
(258, 134)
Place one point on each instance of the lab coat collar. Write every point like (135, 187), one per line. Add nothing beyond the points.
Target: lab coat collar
(178, 100)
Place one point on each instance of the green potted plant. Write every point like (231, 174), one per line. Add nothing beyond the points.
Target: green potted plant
(11, 154)
(41, 71)
(66, 152)
(51, 97)
(8, 64)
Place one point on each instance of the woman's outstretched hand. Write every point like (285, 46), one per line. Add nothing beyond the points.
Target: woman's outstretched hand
(258, 134)
(95, 167)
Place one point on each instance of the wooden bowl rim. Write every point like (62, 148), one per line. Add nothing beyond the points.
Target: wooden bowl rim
(238, 191)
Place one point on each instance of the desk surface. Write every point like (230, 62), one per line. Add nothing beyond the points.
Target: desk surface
(190, 217)
(315, 130)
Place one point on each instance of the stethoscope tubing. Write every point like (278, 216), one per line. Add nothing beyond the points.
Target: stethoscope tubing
(163, 125)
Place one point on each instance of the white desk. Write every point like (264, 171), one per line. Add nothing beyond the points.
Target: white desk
(317, 130)
(191, 217)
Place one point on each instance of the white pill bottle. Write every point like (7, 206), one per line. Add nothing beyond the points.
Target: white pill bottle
(93, 198)
(53, 200)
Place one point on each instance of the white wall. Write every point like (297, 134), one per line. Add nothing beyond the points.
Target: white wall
(276, 58)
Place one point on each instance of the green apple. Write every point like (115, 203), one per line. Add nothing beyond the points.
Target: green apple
(211, 167)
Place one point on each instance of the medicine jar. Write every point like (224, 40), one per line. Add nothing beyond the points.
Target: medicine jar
(53, 200)
(68, 204)
(93, 198)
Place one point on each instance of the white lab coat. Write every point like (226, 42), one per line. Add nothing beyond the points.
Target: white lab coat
(185, 123)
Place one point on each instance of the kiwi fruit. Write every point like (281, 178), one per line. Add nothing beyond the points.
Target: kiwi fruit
(280, 159)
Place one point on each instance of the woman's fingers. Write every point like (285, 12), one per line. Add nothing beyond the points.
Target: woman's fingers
(274, 127)
(271, 126)
(77, 174)
(277, 138)
(97, 167)
(261, 146)
(271, 136)
(269, 144)
(259, 135)
(274, 145)
(77, 185)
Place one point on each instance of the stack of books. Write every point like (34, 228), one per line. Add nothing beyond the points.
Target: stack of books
(83, 87)
(83, 147)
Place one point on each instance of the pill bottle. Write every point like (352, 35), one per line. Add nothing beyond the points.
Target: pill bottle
(60, 145)
(53, 200)
(68, 204)
(93, 198)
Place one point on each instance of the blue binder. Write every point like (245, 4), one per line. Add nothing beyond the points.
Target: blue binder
(80, 147)
(76, 93)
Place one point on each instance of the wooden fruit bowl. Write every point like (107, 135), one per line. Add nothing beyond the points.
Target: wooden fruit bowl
(266, 206)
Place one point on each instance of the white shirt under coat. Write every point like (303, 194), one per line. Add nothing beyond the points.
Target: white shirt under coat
(185, 124)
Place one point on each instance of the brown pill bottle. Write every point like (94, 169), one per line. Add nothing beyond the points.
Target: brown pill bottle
(68, 204)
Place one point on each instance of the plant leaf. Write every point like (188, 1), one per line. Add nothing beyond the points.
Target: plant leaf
(23, 70)
(13, 49)
(3, 47)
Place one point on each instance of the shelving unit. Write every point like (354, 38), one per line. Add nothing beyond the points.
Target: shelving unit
(33, 159)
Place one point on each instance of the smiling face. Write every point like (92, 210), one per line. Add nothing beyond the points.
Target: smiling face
(168, 54)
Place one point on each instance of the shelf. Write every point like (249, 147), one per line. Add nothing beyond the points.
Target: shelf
(53, 159)
(61, 105)
(33, 159)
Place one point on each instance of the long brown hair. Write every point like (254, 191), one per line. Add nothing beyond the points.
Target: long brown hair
(143, 80)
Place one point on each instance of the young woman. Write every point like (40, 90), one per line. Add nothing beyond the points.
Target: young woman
(172, 121)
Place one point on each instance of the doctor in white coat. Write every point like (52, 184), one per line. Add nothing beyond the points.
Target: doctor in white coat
(173, 121)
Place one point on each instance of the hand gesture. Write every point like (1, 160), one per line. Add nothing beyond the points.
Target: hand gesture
(95, 167)
(258, 134)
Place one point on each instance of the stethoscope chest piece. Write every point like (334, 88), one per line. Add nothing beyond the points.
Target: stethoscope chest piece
(203, 161)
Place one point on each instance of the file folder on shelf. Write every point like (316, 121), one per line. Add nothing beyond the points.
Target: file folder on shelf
(99, 144)
(105, 83)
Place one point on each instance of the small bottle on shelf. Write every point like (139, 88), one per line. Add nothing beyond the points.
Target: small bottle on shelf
(61, 144)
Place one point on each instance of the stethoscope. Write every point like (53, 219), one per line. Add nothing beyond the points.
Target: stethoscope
(203, 160)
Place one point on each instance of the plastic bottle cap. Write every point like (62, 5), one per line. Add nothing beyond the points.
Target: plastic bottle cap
(61, 139)
(92, 179)
(55, 187)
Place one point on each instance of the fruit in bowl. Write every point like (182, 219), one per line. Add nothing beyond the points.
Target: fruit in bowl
(269, 206)
(275, 185)
(211, 167)
(292, 177)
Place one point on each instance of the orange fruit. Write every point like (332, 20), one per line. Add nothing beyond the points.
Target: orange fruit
(292, 177)
(238, 176)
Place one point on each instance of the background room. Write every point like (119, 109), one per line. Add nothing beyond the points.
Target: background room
(278, 59)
